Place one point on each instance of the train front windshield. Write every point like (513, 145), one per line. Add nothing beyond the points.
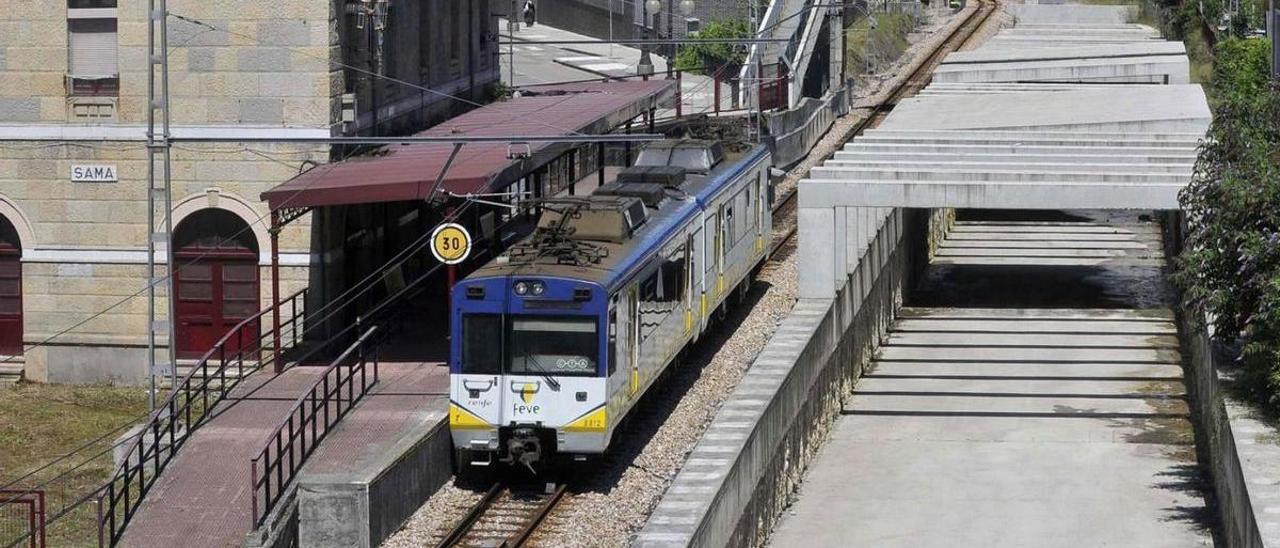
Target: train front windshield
(493, 344)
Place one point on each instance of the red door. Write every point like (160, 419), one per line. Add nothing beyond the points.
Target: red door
(10, 300)
(216, 289)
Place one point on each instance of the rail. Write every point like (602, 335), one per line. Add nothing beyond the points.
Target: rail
(508, 508)
(246, 348)
(313, 415)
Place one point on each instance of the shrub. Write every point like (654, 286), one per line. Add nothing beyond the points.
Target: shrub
(1231, 264)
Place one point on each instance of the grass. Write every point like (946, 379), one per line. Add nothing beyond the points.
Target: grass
(41, 422)
(872, 48)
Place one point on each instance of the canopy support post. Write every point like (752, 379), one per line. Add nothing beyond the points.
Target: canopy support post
(275, 292)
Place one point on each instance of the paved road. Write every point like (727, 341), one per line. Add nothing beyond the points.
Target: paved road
(1015, 426)
(544, 64)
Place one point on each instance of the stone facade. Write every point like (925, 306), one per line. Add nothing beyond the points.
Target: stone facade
(236, 67)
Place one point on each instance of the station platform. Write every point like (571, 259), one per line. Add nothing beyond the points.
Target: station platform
(381, 463)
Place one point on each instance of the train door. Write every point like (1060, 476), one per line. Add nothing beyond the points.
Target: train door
(721, 244)
(761, 220)
(689, 269)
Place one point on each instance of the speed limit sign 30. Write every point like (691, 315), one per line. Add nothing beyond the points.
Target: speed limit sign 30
(450, 243)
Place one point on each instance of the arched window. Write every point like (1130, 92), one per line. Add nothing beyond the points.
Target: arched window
(217, 282)
(10, 289)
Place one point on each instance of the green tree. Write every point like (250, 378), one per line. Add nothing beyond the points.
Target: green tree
(722, 59)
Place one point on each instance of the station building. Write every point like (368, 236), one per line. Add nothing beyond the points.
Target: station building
(73, 158)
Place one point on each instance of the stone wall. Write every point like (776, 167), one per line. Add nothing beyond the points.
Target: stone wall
(84, 244)
(267, 65)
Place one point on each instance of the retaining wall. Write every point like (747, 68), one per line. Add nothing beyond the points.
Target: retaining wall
(740, 475)
(1243, 453)
(797, 130)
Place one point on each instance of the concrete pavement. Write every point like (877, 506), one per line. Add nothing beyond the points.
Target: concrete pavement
(1016, 426)
(546, 63)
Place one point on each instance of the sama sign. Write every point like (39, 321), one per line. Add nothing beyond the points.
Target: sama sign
(95, 173)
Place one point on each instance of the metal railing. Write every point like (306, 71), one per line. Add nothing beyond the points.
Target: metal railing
(27, 526)
(244, 349)
(314, 414)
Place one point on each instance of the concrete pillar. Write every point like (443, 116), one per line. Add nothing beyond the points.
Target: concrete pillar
(816, 227)
(840, 248)
(1273, 30)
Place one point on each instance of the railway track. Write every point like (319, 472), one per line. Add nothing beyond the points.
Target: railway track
(784, 210)
(505, 517)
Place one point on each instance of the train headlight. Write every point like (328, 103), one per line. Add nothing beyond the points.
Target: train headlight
(522, 288)
(537, 288)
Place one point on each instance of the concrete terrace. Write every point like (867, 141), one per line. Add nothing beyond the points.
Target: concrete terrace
(1018, 426)
(1068, 123)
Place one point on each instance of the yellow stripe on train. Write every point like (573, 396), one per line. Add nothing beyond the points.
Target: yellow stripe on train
(462, 419)
(595, 421)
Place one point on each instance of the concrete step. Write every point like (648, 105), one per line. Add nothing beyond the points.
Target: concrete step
(1025, 370)
(1024, 135)
(11, 372)
(1067, 314)
(1074, 237)
(1060, 227)
(954, 252)
(1033, 340)
(911, 158)
(1125, 327)
(1137, 49)
(943, 353)
(977, 246)
(1049, 261)
(1058, 15)
(1007, 174)
(1155, 406)
(882, 430)
(870, 147)
(1024, 164)
(1029, 138)
(1025, 386)
(1169, 69)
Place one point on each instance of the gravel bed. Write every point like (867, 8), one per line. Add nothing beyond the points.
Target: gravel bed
(609, 500)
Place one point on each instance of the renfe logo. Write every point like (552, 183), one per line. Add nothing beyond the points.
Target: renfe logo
(94, 174)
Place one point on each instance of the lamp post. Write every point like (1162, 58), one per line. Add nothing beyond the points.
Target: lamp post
(644, 68)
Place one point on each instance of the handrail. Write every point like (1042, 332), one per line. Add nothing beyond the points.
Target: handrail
(122, 493)
(314, 404)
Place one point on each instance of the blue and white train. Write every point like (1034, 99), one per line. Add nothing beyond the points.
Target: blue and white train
(555, 341)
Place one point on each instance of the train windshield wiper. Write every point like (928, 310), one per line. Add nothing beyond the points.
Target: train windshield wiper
(529, 359)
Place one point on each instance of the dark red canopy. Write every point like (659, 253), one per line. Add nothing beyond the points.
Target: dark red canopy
(407, 172)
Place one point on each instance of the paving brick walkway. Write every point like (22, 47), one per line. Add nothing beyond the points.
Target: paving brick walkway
(203, 497)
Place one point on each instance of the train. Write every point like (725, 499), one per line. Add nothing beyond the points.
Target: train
(555, 341)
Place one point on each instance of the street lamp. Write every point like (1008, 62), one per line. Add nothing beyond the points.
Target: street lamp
(645, 67)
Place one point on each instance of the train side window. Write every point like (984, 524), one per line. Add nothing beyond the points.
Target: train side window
(674, 267)
(482, 344)
(729, 228)
(613, 341)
